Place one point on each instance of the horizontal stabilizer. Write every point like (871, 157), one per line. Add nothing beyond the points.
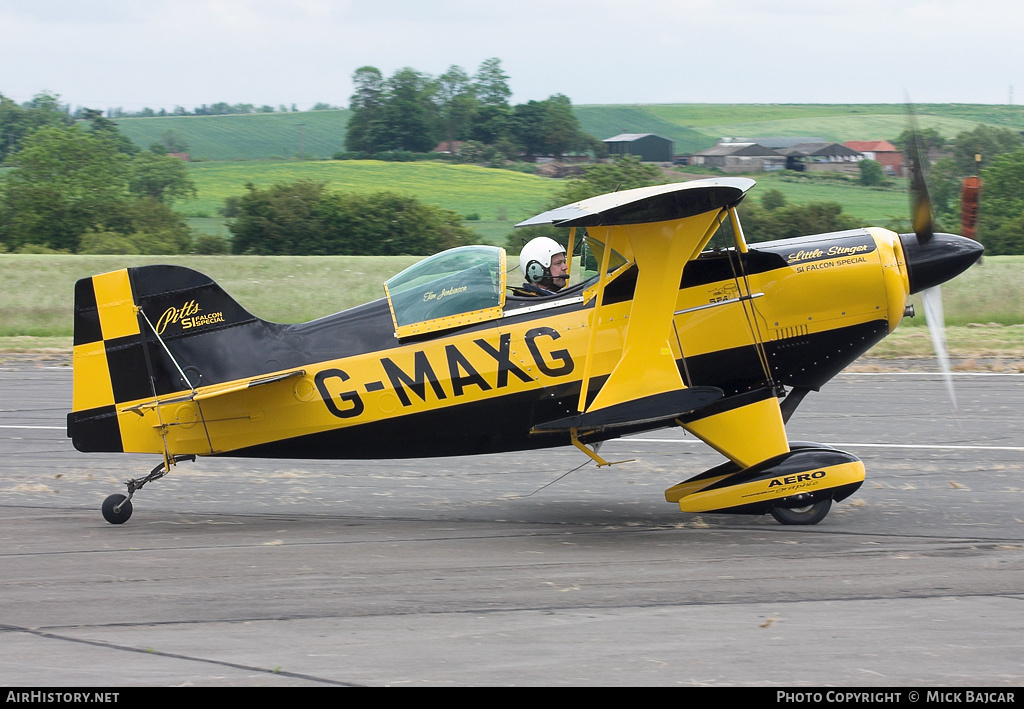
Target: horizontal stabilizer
(643, 205)
(658, 407)
(215, 391)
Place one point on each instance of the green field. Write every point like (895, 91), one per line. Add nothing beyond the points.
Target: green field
(984, 306)
(321, 134)
(872, 206)
(836, 122)
(464, 189)
(255, 136)
(500, 198)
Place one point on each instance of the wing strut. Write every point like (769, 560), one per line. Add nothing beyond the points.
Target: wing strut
(738, 273)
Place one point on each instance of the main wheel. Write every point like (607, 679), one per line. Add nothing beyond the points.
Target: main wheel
(115, 516)
(808, 514)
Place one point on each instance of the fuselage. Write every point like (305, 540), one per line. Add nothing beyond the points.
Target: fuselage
(786, 314)
(815, 305)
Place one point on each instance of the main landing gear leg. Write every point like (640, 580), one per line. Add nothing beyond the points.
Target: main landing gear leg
(117, 509)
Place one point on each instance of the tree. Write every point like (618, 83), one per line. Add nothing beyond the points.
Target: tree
(871, 173)
(987, 142)
(105, 129)
(162, 178)
(773, 199)
(18, 122)
(492, 121)
(928, 139)
(526, 126)
(304, 218)
(1001, 215)
(491, 84)
(409, 120)
(394, 114)
(279, 220)
(70, 182)
(492, 125)
(944, 180)
(172, 142)
(548, 127)
(456, 98)
(561, 129)
(760, 224)
(1001, 221)
(66, 182)
(366, 105)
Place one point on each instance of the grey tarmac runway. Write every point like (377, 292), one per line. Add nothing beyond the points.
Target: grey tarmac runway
(499, 571)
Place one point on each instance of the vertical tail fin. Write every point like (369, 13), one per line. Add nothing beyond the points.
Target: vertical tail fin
(143, 333)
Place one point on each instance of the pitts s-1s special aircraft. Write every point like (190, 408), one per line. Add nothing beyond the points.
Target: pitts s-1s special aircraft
(654, 330)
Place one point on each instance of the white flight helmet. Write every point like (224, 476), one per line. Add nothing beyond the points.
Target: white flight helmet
(535, 258)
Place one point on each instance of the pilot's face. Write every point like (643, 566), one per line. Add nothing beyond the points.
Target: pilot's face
(559, 269)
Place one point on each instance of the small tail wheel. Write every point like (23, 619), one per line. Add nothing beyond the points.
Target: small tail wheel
(807, 514)
(117, 509)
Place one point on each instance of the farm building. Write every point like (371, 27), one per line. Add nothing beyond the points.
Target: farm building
(777, 143)
(822, 157)
(647, 146)
(740, 157)
(882, 152)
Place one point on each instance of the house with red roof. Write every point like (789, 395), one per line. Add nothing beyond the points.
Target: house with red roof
(881, 151)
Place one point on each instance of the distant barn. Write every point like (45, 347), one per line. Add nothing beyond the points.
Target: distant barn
(647, 146)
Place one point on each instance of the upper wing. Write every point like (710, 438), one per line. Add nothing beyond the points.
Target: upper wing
(648, 204)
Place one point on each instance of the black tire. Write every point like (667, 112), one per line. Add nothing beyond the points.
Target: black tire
(808, 514)
(119, 516)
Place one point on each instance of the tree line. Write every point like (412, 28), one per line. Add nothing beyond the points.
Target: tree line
(996, 155)
(414, 112)
(78, 190)
(83, 187)
(221, 108)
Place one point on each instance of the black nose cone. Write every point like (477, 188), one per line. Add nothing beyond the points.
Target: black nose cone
(938, 259)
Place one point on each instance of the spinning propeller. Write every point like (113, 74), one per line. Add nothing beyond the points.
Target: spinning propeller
(932, 259)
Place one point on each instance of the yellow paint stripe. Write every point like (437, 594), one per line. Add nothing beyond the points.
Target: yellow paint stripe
(91, 388)
(115, 304)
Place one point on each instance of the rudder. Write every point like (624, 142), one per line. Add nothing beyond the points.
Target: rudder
(125, 322)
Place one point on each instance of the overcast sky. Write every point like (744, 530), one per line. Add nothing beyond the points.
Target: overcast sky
(166, 53)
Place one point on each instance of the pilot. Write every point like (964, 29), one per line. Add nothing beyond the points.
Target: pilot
(544, 266)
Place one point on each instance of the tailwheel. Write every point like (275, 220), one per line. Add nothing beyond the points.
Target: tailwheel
(117, 509)
(811, 513)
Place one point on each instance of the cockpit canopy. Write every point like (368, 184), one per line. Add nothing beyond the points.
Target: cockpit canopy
(467, 285)
(456, 287)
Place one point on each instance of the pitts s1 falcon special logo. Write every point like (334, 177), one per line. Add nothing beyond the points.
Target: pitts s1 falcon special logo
(188, 316)
(846, 252)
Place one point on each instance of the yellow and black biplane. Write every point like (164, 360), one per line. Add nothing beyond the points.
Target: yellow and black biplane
(654, 330)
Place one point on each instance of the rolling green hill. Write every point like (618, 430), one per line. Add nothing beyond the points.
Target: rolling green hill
(254, 136)
(236, 149)
(320, 134)
(494, 199)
